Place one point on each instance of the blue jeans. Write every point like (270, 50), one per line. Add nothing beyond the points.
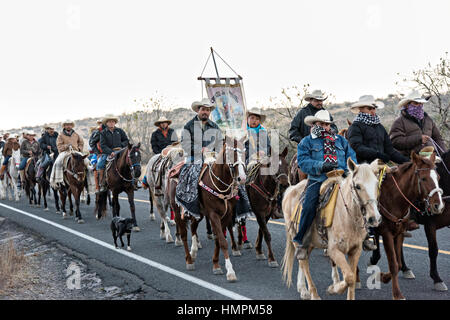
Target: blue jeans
(101, 164)
(23, 163)
(5, 162)
(309, 206)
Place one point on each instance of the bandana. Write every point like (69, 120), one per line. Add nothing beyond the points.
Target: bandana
(164, 132)
(329, 149)
(415, 111)
(367, 119)
(256, 129)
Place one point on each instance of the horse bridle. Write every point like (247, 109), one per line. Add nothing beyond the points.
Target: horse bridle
(431, 193)
(132, 166)
(230, 167)
(76, 175)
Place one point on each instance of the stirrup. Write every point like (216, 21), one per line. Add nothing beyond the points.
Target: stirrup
(369, 244)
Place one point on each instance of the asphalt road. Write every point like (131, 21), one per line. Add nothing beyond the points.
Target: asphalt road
(162, 266)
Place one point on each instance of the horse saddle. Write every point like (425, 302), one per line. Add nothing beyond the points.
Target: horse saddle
(166, 150)
(175, 171)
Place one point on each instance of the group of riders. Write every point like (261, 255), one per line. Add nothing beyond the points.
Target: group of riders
(320, 149)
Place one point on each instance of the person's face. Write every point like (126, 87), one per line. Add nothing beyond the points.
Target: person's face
(51, 131)
(254, 121)
(30, 137)
(203, 113)
(68, 127)
(370, 110)
(164, 125)
(111, 124)
(324, 125)
(415, 104)
(316, 103)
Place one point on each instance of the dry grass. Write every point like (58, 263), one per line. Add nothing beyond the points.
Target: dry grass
(13, 267)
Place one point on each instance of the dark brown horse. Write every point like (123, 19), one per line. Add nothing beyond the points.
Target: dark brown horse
(74, 183)
(30, 181)
(263, 193)
(44, 188)
(411, 182)
(217, 196)
(121, 176)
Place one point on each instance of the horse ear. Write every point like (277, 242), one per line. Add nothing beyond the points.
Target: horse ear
(138, 145)
(84, 157)
(349, 122)
(285, 152)
(129, 146)
(414, 157)
(351, 165)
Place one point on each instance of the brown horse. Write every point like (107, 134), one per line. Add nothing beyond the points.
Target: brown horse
(263, 194)
(411, 182)
(121, 175)
(44, 188)
(30, 181)
(74, 181)
(216, 203)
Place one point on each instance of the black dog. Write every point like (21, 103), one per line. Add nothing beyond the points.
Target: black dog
(119, 226)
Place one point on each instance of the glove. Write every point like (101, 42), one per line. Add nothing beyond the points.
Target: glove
(383, 156)
(327, 166)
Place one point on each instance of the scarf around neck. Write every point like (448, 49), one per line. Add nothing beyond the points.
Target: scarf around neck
(329, 148)
(367, 119)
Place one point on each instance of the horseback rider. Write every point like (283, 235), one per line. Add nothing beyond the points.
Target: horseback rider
(258, 143)
(162, 137)
(318, 153)
(67, 139)
(299, 129)
(3, 140)
(112, 140)
(11, 145)
(368, 137)
(28, 148)
(48, 145)
(414, 129)
(95, 150)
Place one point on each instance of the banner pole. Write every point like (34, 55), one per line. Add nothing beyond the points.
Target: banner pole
(215, 65)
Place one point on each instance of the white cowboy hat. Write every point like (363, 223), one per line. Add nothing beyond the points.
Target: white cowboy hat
(161, 120)
(203, 103)
(321, 115)
(412, 96)
(258, 113)
(366, 101)
(316, 94)
(14, 135)
(30, 133)
(68, 122)
(99, 121)
(107, 118)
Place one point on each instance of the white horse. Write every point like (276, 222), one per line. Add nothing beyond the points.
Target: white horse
(160, 196)
(356, 209)
(9, 182)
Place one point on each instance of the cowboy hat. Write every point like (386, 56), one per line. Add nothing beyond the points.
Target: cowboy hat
(14, 135)
(99, 121)
(30, 133)
(203, 103)
(49, 127)
(68, 122)
(161, 120)
(106, 119)
(258, 113)
(321, 115)
(366, 101)
(316, 94)
(412, 96)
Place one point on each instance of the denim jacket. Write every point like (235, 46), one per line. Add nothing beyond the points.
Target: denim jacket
(310, 156)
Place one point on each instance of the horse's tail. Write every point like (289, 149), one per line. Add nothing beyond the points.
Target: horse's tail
(102, 197)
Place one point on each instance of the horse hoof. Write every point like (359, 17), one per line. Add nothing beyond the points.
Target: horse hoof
(331, 290)
(236, 253)
(64, 215)
(57, 212)
(178, 243)
(248, 245)
(261, 256)
(218, 271)
(169, 239)
(304, 295)
(128, 248)
(190, 267)
(172, 222)
(136, 229)
(80, 221)
(408, 274)
(231, 277)
(440, 286)
(71, 212)
(210, 236)
(199, 245)
(273, 264)
(325, 253)
(152, 217)
(358, 285)
(46, 209)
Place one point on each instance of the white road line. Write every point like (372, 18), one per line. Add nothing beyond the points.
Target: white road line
(151, 263)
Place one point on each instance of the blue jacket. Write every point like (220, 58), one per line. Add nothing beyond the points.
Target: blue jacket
(310, 156)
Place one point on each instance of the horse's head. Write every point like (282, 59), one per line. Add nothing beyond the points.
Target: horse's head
(427, 183)
(233, 156)
(365, 186)
(16, 158)
(134, 159)
(77, 166)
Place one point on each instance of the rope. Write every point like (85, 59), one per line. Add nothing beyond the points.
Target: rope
(437, 148)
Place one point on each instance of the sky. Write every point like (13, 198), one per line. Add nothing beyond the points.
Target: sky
(72, 59)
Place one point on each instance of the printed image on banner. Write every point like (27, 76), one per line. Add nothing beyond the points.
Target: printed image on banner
(230, 108)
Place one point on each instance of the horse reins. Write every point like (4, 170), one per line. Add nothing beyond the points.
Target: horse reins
(128, 160)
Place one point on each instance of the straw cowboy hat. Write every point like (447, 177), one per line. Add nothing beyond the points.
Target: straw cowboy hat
(161, 120)
(107, 118)
(30, 133)
(99, 121)
(203, 103)
(321, 115)
(49, 127)
(412, 96)
(366, 101)
(258, 113)
(14, 135)
(316, 94)
(68, 122)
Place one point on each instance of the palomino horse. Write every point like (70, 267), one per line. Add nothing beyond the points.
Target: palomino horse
(9, 183)
(74, 181)
(263, 193)
(166, 160)
(121, 174)
(431, 224)
(356, 209)
(30, 181)
(44, 188)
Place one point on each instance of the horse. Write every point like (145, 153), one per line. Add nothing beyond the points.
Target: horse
(355, 210)
(30, 181)
(74, 181)
(431, 223)
(11, 177)
(263, 193)
(121, 174)
(44, 187)
(164, 162)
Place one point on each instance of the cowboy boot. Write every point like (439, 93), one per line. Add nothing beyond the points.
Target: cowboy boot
(2, 171)
(101, 178)
(97, 187)
(276, 212)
